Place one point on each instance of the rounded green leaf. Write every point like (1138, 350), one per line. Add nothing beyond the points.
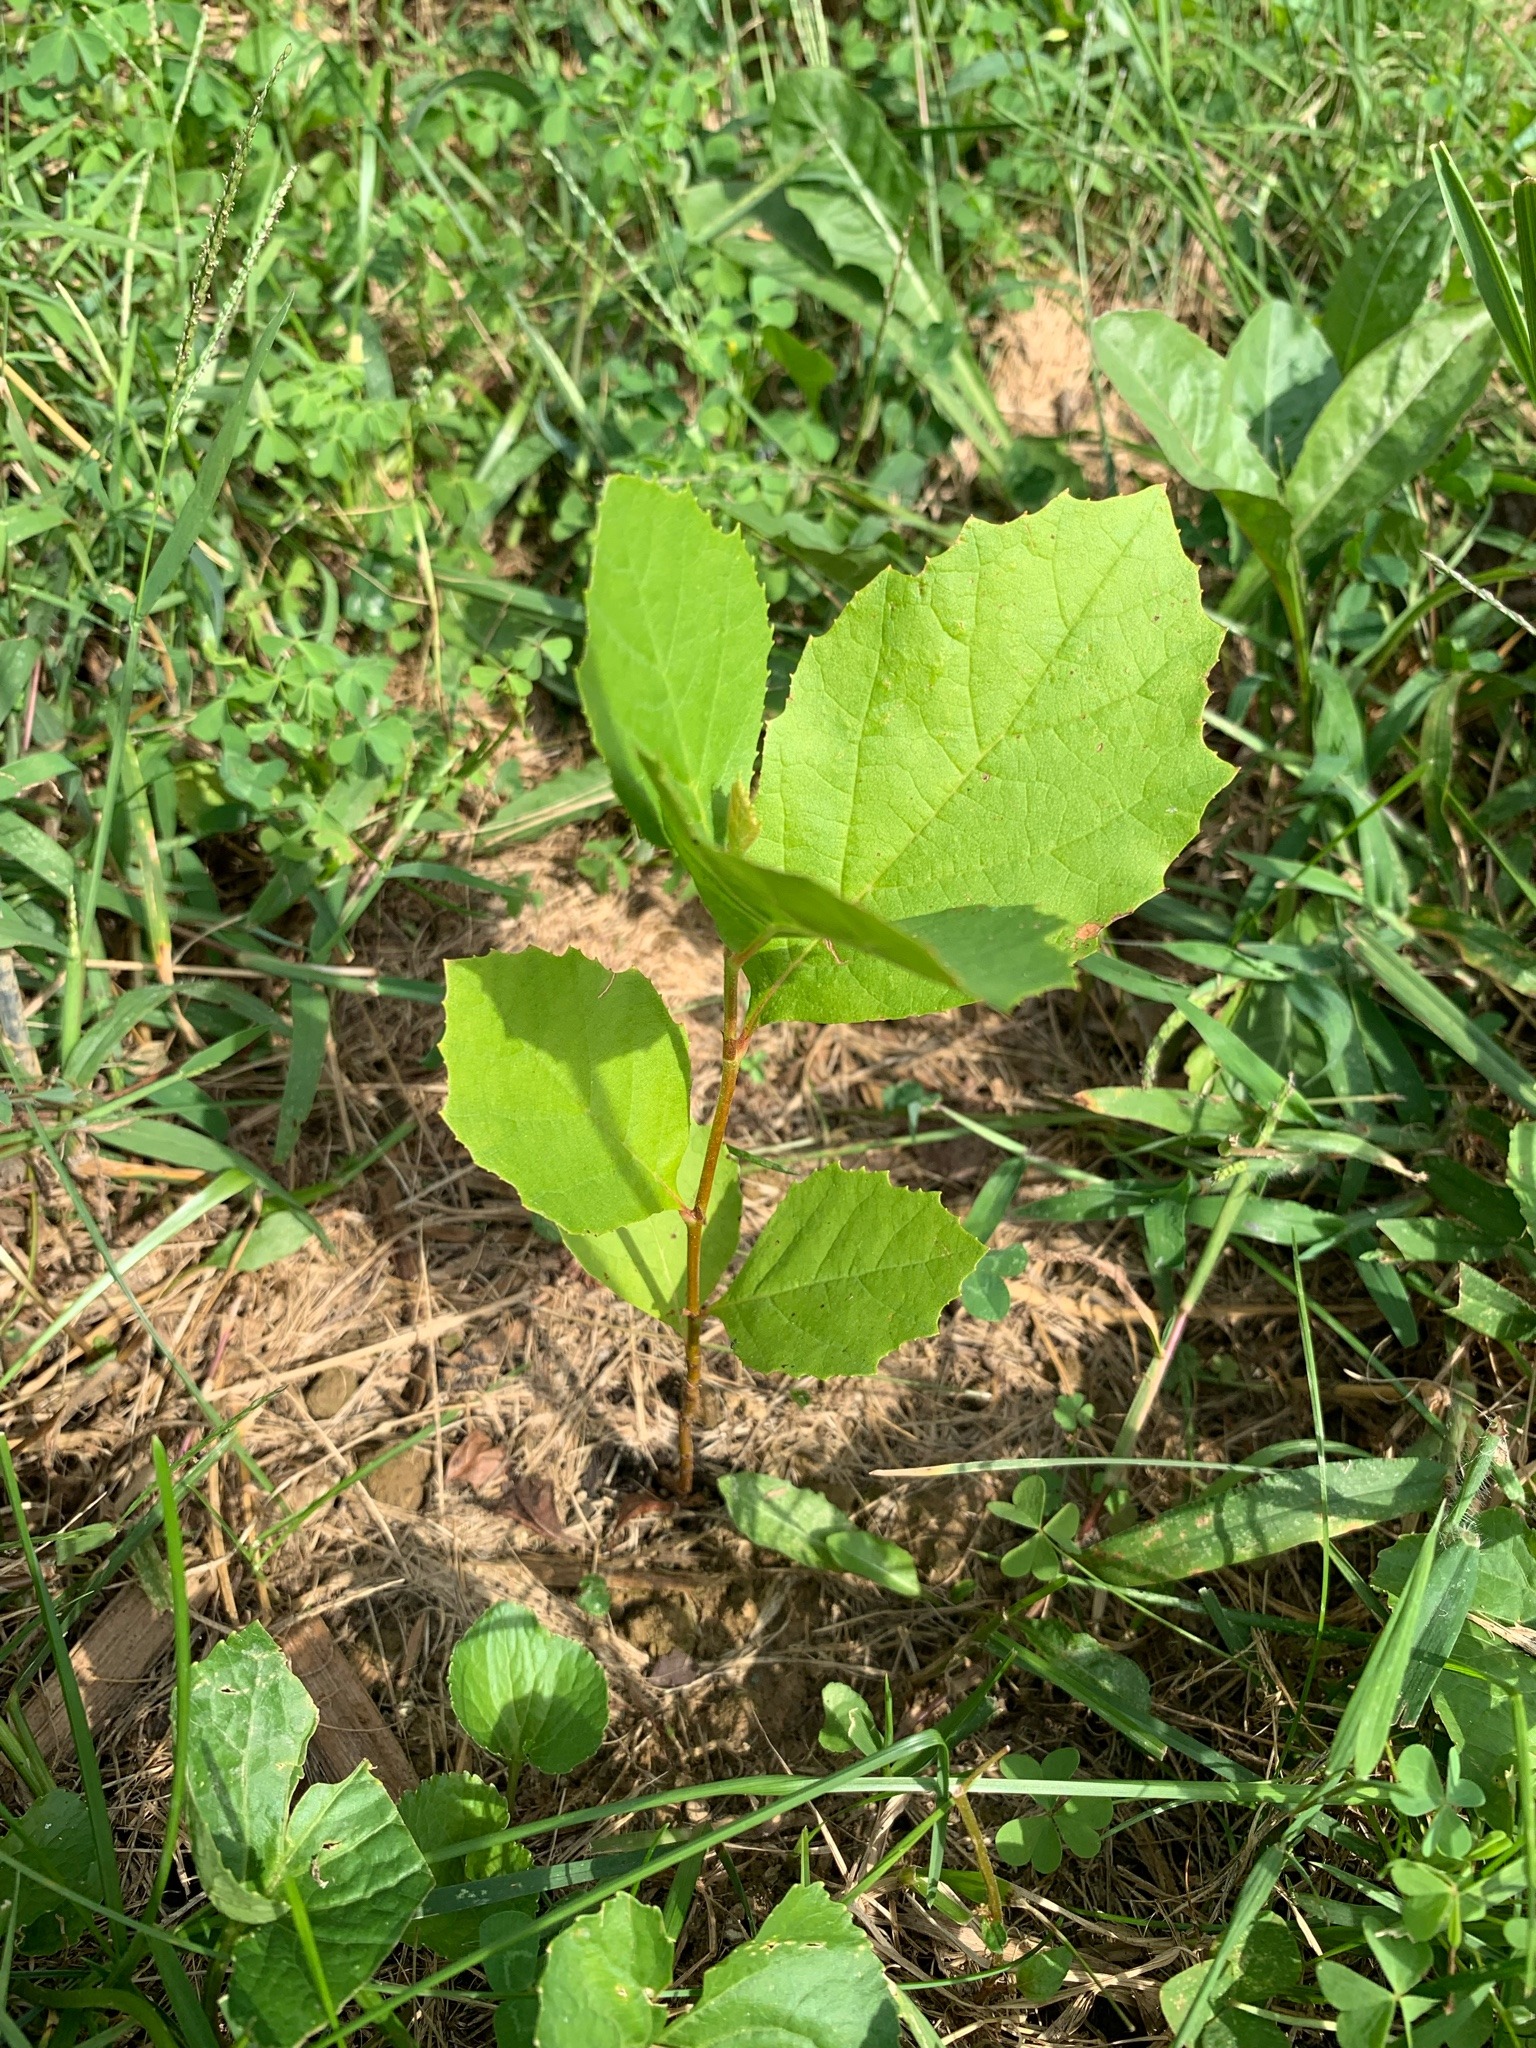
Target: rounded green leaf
(441, 1812)
(569, 1081)
(846, 1268)
(602, 1977)
(526, 1694)
(647, 1262)
(1020, 724)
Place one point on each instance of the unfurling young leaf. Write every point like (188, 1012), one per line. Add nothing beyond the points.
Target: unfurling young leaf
(846, 1268)
(526, 1694)
(806, 1526)
(676, 662)
(569, 1081)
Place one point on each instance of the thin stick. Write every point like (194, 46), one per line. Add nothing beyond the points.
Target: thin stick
(733, 1043)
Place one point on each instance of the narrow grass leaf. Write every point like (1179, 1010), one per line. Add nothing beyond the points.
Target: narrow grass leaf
(1486, 262)
(1361, 1737)
(311, 1011)
(194, 514)
(1422, 1000)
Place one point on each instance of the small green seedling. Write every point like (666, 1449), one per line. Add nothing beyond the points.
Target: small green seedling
(1038, 1555)
(808, 1975)
(320, 1891)
(1038, 1840)
(526, 1694)
(978, 770)
(804, 1525)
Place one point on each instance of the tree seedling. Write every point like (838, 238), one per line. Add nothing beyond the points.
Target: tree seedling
(978, 770)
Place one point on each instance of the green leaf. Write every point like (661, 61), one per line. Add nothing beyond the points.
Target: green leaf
(311, 1009)
(1366, 1722)
(585, 791)
(809, 1979)
(1365, 2008)
(997, 955)
(1020, 724)
(847, 1268)
(1265, 1517)
(1485, 261)
(647, 1262)
(1482, 945)
(1279, 374)
(676, 662)
(1522, 1172)
(194, 514)
(1179, 389)
(805, 1526)
(440, 1812)
(359, 1877)
(1387, 421)
(1482, 1304)
(23, 843)
(847, 1726)
(569, 1081)
(1381, 283)
(526, 1694)
(1433, 1008)
(249, 1724)
(54, 1842)
(1448, 1595)
(603, 1978)
(808, 369)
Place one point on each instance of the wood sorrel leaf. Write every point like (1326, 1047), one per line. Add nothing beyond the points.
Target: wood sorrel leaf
(526, 1694)
(804, 1525)
(647, 1262)
(1020, 724)
(603, 1977)
(1179, 388)
(249, 1724)
(995, 955)
(845, 1269)
(1391, 416)
(808, 1979)
(359, 1877)
(569, 1081)
(676, 661)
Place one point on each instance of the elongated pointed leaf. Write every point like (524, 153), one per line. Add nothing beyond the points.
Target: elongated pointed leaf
(994, 955)
(527, 1694)
(802, 1524)
(647, 1262)
(249, 1724)
(359, 1878)
(569, 1081)
(1361, 1736)
(847, 1268)
(1390, 417)
(1021, 724)
(311, 1007)
(1431, 1007)
(194, 514)
(603, 1979)
(1179, 389)
(1265, 1517)
(1485, 260)
(1448, 1595)
(1277, 378)
(1522, 1172)
(676, 661)
(1381, 283)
